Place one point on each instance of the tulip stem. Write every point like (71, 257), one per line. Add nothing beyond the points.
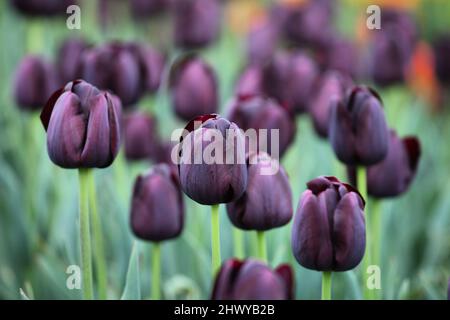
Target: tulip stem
(156, 271)
(99, 254)
(376, 214)
(215, 239)
(238, 241)
(85, 236)
(326, 285)
(262, 247)
(34, 36)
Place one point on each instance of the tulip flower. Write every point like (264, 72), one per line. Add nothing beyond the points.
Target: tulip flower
(140, 136)
(261, 42)
(256, 112)
(250, 82)
(197, 23)
(35, 80)
(332, 86)
(253, 280)
(148, 8)
(441, 50)
(193, 87)
(329, 228)
(289, 78)
(157, 213)
(341, 55)
(69, 59)
(151, 63)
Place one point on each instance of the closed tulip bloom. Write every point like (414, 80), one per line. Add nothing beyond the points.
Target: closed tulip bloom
(212, 182)
(341, 55)
(193, 87)
(358, 130)
(253, 280)
(83, 126)
(332, 86)
(197, 23)
(250, 82)
(267, 201)
(393, 176)
(289, 78)
(69, 59)
(157, 210)
(329, 227)
(148, 8)
(35, 81)
(140, 136)
(256, 112)
(441, 49)
(261, 42)
(152, 64)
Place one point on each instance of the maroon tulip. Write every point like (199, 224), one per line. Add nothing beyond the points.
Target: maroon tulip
(441, 53)
(210, 180)
(148, 8)
(329, 227)
(83, 126)
(35, 81)
(140, 136)
(252, 280)
(340, 54)
(250, 82)
(157, 210)
(42, 7)
(69, 59)
(197, 23)
(152, 64)
(290, 78)
(393, 176)
(332, 86)
(256, 112)
(193, 88)
(267, 202)
(261, 42)
(358, 130)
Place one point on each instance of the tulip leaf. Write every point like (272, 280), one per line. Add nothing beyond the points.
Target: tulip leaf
(132, 290)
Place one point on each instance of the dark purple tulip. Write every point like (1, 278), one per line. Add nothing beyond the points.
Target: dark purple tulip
(197, 23)
(289, 78)
(329, 227)
(261, 42)
(358, 130)
(35, 81)
(210, 182)
(152, 64)
(341, 55)
(250, 82)
(332, 86)
(140, 136)
(157, 210)
(253, 280)
(148, 8)
(256, 112)
(193, 87)
(69, 59)
(442, 63)
(267, 202)
(83, 126)
(42, 7)
(392, 176)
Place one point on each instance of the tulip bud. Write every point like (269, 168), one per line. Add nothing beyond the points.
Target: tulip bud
(221, 177)
(256, 112)
(42, 7)
(341, 55)
(35, 81)
(141, 136)
(197, 23)
(267, 202)
(157, 210)
(148, 8)
(250, 82)
(252, 280)
(332, 86)
(329, 227)
(392, 176)
(193, 87)
(152, 63)
(261, 42)
(289, 78)
(358, 130)
(69, 59)
(83, 126)
(442, 64)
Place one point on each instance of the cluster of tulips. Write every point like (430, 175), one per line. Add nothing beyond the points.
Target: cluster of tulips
(333, 230)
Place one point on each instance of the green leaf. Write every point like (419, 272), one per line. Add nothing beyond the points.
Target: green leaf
(132, 290)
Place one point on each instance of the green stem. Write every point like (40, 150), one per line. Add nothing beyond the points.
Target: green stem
(376, 221)
(326, 285)
(262, 247)
(238, 242)
(34, 35)
(99, 252)
(156, 271)
(85, 237)
(215, 239)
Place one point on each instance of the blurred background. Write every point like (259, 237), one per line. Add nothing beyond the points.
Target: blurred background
(39, 201)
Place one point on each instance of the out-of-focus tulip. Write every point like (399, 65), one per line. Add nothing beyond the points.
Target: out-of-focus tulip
(148, 8)
(35, 81)
(83, 126)
(152, 63)
(392, 176)
(157, 210)
(267, 202)
(289, 78)
(261, 42)
(358, 130)
(42, 7)
(69, 59)
(197, 23)
(140, 136)
(193, 87)
(253, 280)
(341, 55)
(332, 86)
(250, 82)
(442, 63)
(212, 181)
(329, 227)
(256, 112)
